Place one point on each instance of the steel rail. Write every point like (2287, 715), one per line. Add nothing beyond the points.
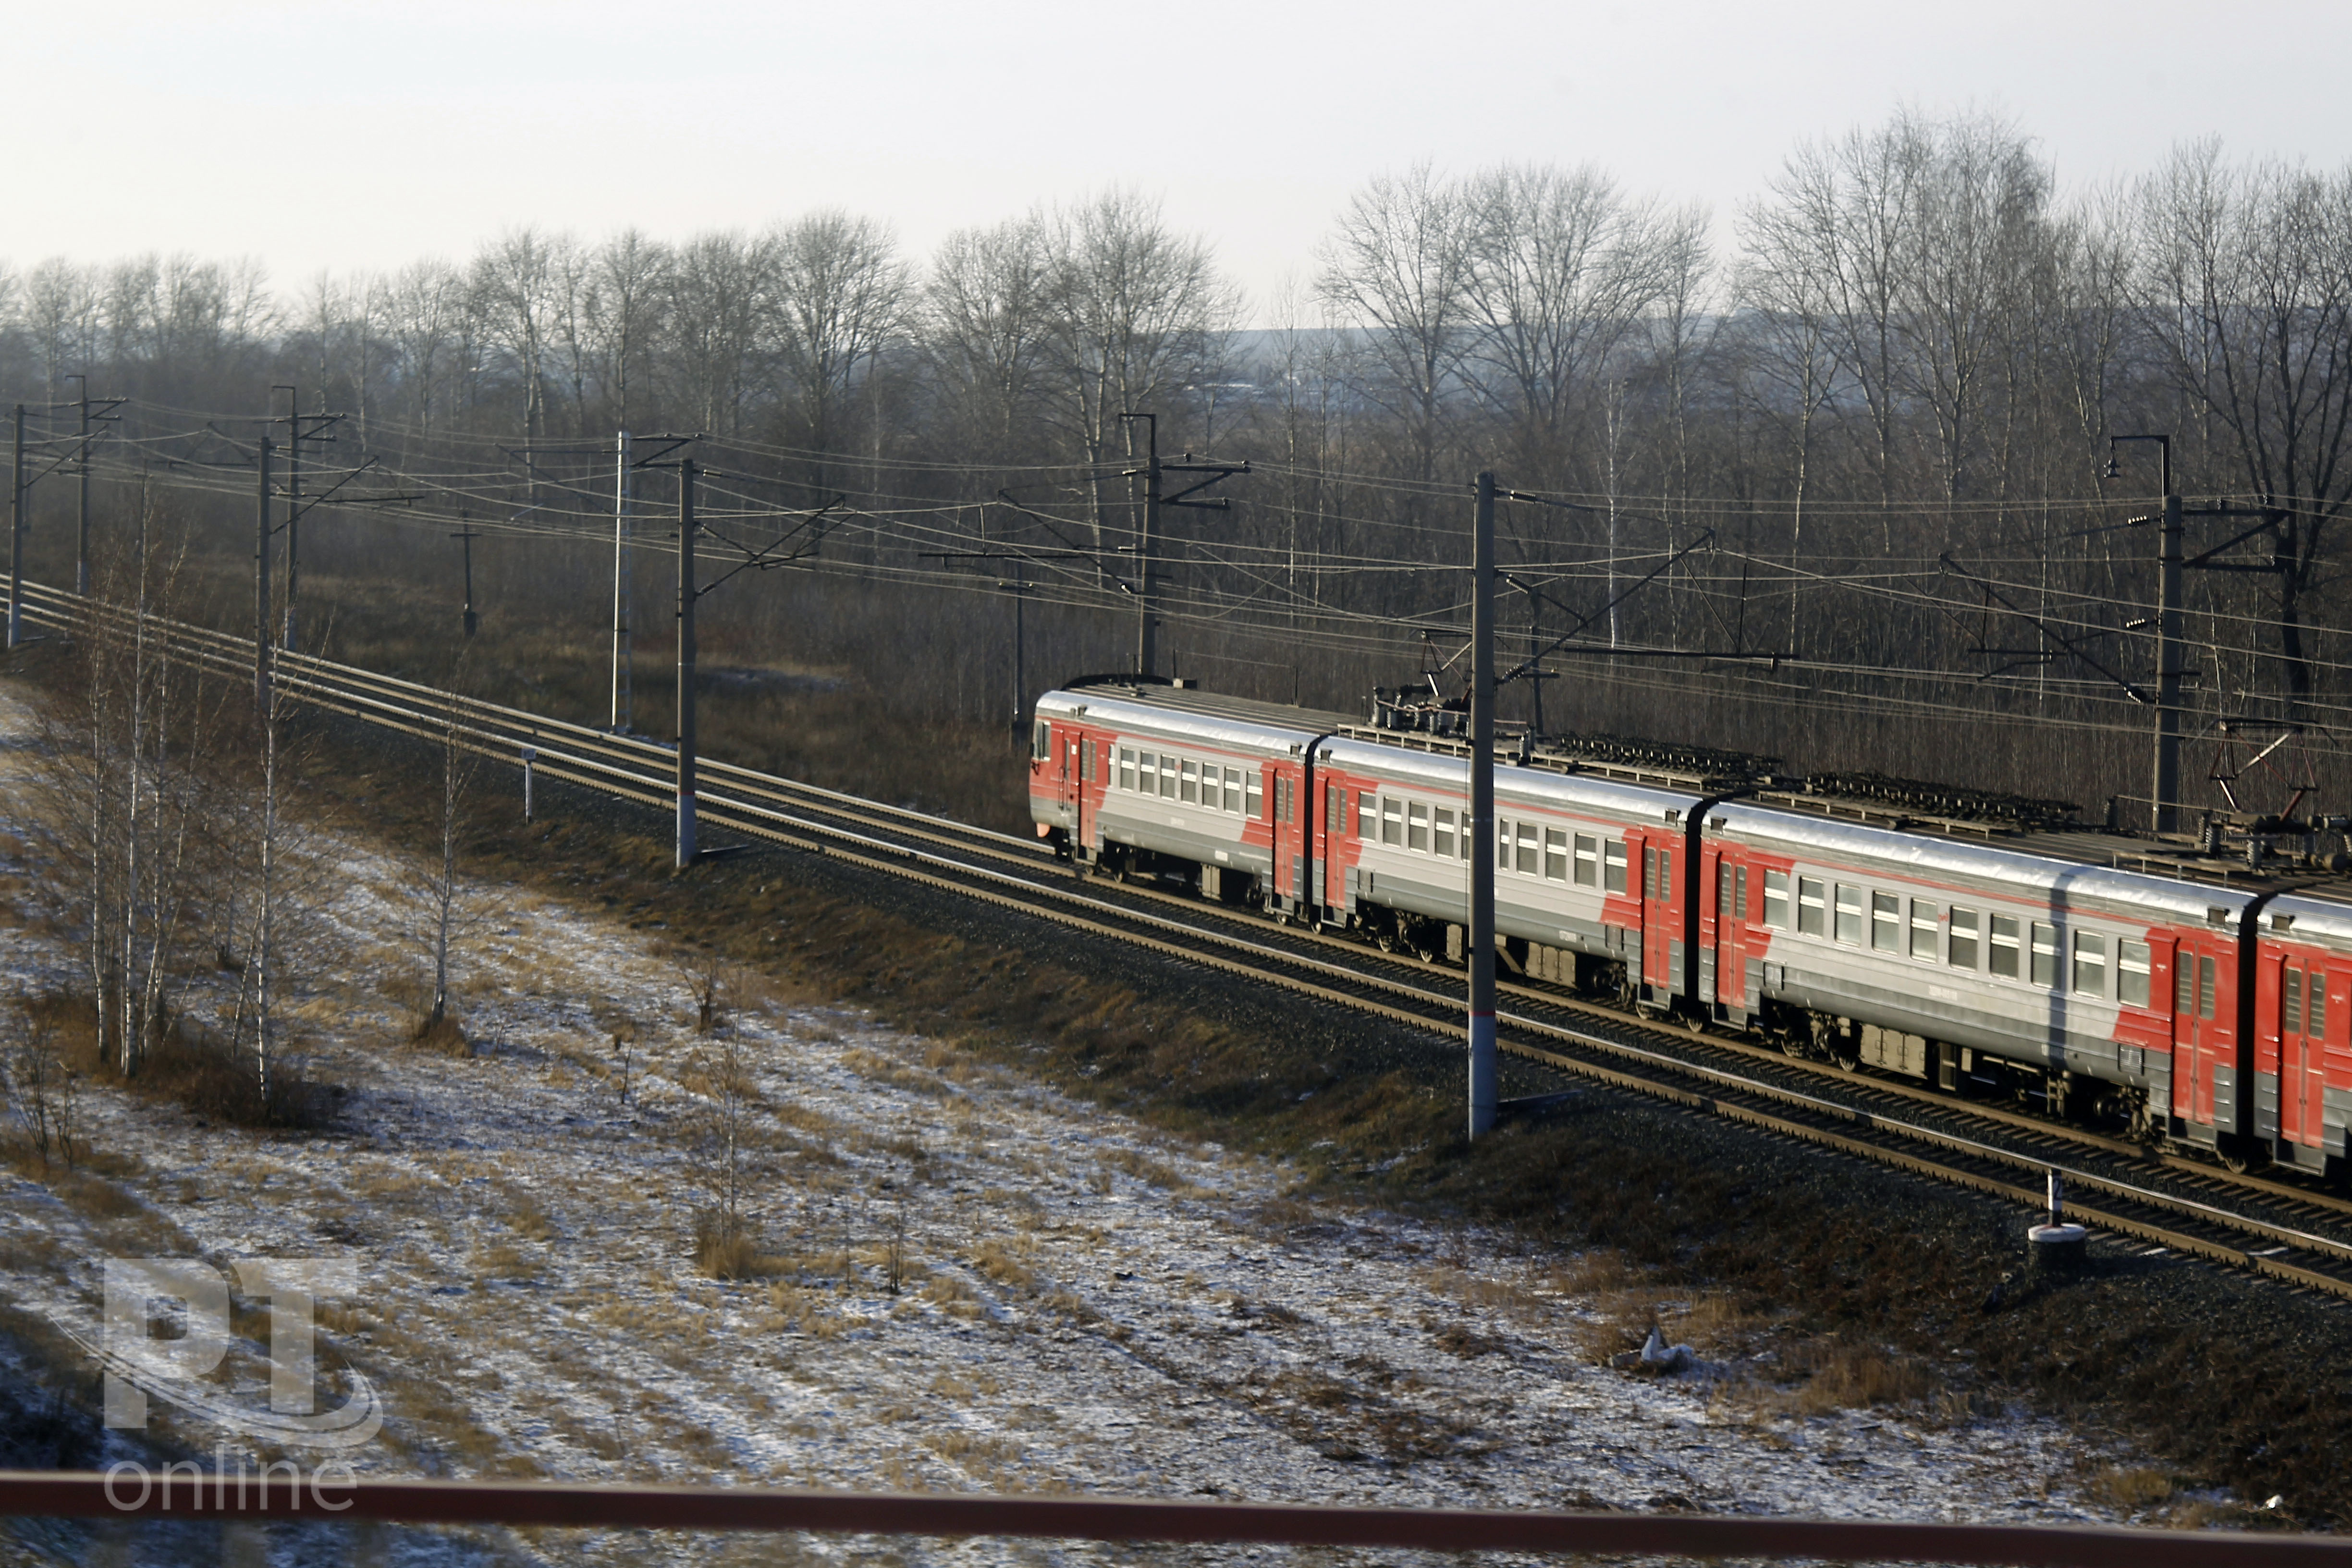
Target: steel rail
(327, 686)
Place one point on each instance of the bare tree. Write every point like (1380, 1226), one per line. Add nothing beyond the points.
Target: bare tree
(437, 891)
(1134, 306)
(720, 290)
(840, 294)
(1560, 268)
(986, 327)
(626, 279)
(2249, 301)
(424, 306)
(1398, 266)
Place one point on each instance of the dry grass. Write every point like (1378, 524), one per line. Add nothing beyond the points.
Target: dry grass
(1845, 1377)
(2129, 1491)
(442, 1036)
(1005, 1265)
(958, 1446)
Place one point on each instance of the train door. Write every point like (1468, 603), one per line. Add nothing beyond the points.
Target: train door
(2200, 1026)
(1339, 811)
(1714, 909)
(1073, 793)
(1660, 927)
(1285, 825)
(2303, 1025)
(1730, 931)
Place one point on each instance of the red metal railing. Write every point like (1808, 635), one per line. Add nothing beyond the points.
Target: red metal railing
(130, 1491)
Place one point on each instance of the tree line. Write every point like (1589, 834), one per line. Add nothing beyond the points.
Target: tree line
(1882, 407)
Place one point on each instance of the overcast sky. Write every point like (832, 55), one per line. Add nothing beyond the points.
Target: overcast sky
(323, 136)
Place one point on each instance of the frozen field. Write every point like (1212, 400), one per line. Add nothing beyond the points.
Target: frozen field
(967, 1281)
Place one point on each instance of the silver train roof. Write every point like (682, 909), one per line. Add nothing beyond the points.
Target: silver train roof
(2011, 861)
(2312, 917)
(1531, 786)
(1232, 722)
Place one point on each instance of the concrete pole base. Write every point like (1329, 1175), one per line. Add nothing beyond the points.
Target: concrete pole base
(2055, 1252)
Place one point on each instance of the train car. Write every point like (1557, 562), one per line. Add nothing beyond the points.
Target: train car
(2026, 954)
(2196, 998)
(1164, 781)
(2303, 1031)
(1593, 877)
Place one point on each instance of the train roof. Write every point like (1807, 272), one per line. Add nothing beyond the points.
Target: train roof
(2321, 913)
(2112, 870)
(1236, 721)
(1450, 768)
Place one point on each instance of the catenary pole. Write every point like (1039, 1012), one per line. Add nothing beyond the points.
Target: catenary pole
(623, 480)
(81, 509)
(686, 594)
(2167, 791)
(1482, 813)
(16, 532)
(293, 506)
(261, 581)
(1147, 576)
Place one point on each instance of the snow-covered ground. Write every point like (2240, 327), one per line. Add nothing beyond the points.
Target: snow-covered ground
(1083, 1303)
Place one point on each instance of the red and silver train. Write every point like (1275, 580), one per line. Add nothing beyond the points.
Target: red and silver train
(2201, 1000)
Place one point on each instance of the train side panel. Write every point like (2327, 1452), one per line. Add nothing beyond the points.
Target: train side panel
(1929, 948)
(2302, 1032)
(1586, 869)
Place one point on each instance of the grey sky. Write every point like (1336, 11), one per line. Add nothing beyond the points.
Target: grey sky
(315, 135)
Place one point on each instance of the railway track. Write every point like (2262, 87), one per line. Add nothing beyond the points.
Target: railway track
(2290, 1234)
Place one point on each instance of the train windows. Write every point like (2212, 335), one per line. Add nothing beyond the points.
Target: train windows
(1812, 913)
(1588, 860)
(1444, 829)
(1555, 853)
(1191, 792)
(1368, 816)
(2206, 976)
(2090, 964)
(1502, 847)
(1776, 899)
(1961, 952)
(2131, 972)
(1253, 798)
(1041, 741)
(1086, 763)
(2291, 1003)
(1529, 862)
(2184, 986)
(1234, 789)
(1665, 875)
(2045, 954)
(1166, 778)
(1150, 774)
(1416, 826)
(1613, 866)
(1126, 768)
(2315, 1024)
(1886, 922)
(1723, 890)
(1391, 821)
(1335, 811)
(2001, 949)
(1849, 914)
(1922, 930)
(1741, 892)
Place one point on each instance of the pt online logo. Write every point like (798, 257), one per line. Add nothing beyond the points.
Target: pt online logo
(145, 1295)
